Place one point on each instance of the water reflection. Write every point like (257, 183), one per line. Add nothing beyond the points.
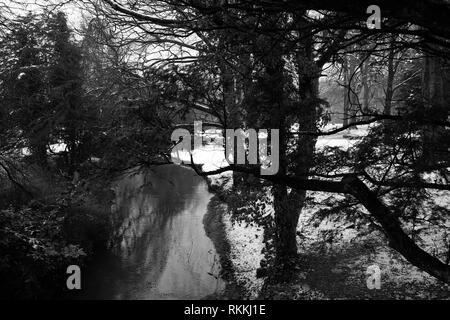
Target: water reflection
(161, 247)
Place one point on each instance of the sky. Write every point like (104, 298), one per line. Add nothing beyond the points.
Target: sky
(70, 7)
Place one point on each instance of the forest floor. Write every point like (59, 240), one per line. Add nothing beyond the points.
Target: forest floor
(331, 271)
(336, 269)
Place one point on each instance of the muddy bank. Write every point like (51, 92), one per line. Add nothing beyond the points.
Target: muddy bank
(216, 230)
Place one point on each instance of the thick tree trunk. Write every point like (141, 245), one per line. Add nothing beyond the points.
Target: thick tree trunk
(39, 153)
(436, 103)
(288, 205)
(285, 213)
(287, 209)
(308, 73)
(433, 82)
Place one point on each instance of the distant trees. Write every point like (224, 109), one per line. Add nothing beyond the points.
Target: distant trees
(67, 95)
(78, 95)
(42, 87)
(24, 86)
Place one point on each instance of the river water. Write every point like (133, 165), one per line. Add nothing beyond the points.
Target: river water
(161, 250)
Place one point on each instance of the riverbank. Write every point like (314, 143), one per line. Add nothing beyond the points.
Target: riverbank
(238, 246)
(216, 230)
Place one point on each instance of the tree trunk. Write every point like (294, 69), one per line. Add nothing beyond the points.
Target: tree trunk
(287, 209)
(365, 87)
(353, 98)
(435, 103)
(390, 80)
(285, 213)
(39, 152)
(346, 99)
(288, 205)
(389, 92)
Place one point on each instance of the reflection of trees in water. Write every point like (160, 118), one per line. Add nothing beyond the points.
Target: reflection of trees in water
(162, 249)
(148, 202)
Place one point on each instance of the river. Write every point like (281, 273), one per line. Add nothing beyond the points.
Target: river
(161, 250)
